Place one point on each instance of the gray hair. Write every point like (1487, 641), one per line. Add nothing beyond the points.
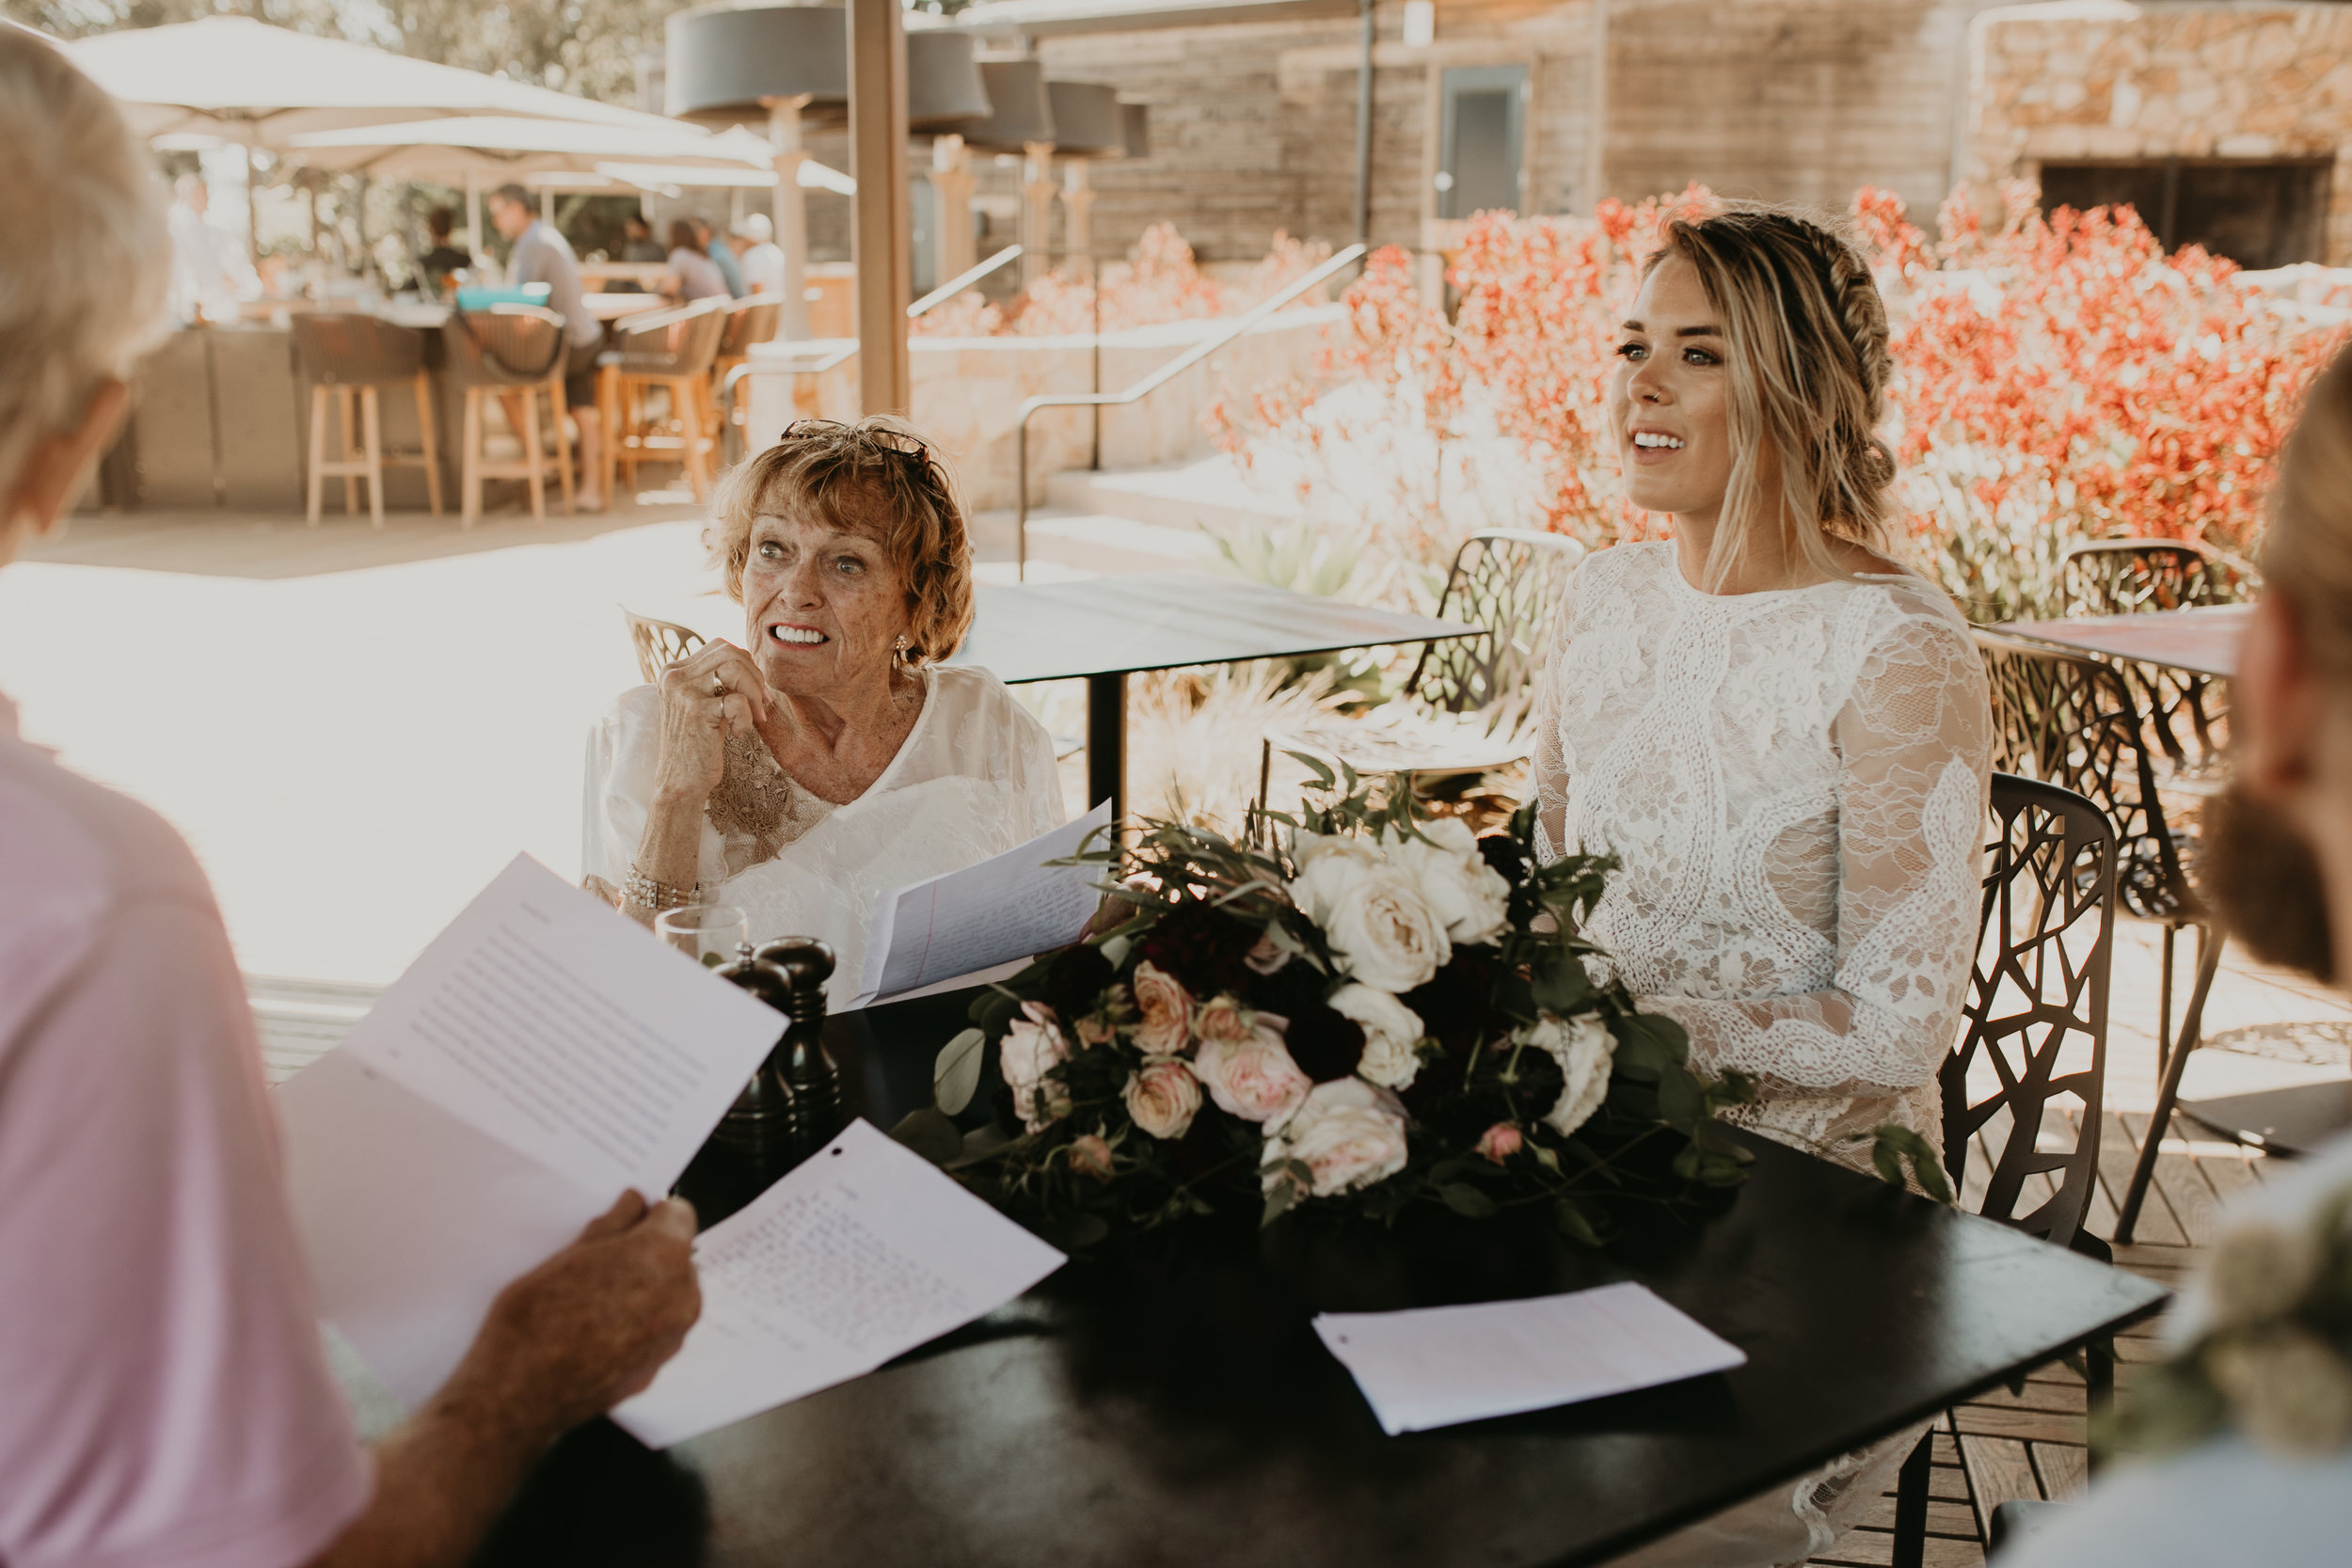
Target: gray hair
(85, 258)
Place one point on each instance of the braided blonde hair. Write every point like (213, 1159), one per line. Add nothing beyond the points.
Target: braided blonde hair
(1809, 367)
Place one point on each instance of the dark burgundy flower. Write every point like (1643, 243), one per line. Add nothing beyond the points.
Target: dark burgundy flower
(1456, 1004)
(1502, 852)
(1204, 948)
(1324, 1045)
(1075, 981)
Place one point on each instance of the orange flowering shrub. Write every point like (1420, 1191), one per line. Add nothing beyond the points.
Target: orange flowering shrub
(1160, 282)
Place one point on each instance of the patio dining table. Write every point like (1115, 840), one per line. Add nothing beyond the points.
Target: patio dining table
(1171, 1404)
(2204, 642)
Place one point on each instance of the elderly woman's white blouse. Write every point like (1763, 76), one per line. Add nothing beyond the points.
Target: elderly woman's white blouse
(975, 777)
(1795, 785)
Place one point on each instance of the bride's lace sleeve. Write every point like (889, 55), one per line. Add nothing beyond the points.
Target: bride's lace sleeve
(1546, 766)
(1915, 739)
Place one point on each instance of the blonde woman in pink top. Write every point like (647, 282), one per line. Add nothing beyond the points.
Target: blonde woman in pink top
(163, 1399)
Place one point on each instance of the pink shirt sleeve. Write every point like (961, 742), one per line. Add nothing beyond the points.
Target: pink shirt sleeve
(164, 1395)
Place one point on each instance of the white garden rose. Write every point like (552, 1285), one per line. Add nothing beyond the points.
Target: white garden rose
(1392, 1030)
(1348, 1134)
(1162, 1099)
(1252, 1077)
(1468, 896)
(1371, 913)
(1034, 1045)
(1583, 1047)
(1163, 1011)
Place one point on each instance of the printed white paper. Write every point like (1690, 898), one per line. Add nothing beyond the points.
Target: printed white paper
(542, 1055)
(866, 1251)
(1009, 907)
(1438, 1366)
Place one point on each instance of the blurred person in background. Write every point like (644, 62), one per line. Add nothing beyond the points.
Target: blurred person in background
(721, 256)
(165, 1396)
(637, 240)
(542, 255)
(442, 258)
(763, 258)
(205, 285)
(692, 274)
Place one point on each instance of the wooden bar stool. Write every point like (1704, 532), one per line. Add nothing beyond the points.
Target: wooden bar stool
(672, 349)
(514, 351)
(348, 355)
(752, 321)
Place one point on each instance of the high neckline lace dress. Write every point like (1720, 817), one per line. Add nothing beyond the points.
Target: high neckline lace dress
(1795, 785)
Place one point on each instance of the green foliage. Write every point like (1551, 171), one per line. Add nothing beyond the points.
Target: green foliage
(1891, 1145)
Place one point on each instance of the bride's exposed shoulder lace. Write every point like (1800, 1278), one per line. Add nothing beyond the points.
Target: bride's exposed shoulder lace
(1794, 782)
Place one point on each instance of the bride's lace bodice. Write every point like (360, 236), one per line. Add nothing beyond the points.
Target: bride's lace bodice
(1795, 785)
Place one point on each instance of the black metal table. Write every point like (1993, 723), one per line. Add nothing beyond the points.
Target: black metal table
(1108, 629)
(1176, 1408)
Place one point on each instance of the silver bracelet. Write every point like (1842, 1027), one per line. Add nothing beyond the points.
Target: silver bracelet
(646, 894)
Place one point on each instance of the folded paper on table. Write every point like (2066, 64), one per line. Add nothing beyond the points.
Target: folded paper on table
(541, 1057)
(863, 1253)
(1437, 1366)
(946, 930)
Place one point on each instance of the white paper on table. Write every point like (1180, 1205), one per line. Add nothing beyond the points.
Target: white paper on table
(540, 1056)
(936, 934)
(1437, 1366)
(864, 1252)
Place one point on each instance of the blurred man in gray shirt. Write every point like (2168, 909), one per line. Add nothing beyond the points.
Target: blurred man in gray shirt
(542, 255)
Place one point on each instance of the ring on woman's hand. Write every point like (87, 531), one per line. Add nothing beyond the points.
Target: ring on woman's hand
(718, 686)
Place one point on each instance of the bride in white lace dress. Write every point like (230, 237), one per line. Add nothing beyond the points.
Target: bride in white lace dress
(1781, 733)
(832, 758)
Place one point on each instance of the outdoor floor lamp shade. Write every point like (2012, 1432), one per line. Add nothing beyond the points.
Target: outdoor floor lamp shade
(1020, 112)
(1086, 119)
(944, 83)
(726, 60)
(260, 86)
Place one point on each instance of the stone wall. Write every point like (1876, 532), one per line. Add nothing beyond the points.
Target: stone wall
(2106, 79)
(968, 393)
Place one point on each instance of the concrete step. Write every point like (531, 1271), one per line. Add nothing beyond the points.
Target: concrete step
(1210, 493)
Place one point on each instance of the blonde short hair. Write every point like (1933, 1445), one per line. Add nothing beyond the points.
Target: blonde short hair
(1805, 335)
(875, 479)
(84, 258)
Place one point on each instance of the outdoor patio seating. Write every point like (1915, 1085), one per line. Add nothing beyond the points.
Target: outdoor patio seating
(2126, 577)
(2075, 722)
(347, 358)
(1465, 706)
(658, 643)
(516, 352)
(671, 351)
(752, 321)
(2046, 942)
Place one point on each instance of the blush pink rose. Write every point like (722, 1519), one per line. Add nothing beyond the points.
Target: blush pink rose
(1034, 1045)
(1253, 1077)
(1164, 1010)
(1347, 1133)
(1222, 1018)
(1499, 1142)
(1092, 1156)
(1162, 1099)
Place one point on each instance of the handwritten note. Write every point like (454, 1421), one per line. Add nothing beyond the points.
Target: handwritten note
(541, 1055)
(1438, 1366)
(864, 1252)
(1012, 905)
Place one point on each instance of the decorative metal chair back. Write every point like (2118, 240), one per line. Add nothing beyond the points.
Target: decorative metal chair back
(749, 324)
(2044, 944)
(2074, 722)
(353, 349)
(2123, 576)
(1510, 581)
(506, 346)
(675, 342)
(660, 643)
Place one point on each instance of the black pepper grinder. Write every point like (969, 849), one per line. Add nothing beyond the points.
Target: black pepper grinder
(752, 1145)
(812, 1081)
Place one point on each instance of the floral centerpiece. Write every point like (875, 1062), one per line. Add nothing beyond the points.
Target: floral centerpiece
(1378, 1014)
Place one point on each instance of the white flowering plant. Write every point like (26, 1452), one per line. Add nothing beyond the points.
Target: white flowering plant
(1379, 1014)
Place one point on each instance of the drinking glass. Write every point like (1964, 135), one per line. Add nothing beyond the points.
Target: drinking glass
(707, 933)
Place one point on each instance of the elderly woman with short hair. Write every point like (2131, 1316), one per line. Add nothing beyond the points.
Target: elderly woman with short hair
(831, 758)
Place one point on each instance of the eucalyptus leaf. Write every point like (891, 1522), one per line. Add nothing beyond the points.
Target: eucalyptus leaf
(1467, 1200)
(956, 1076)
(1560, 983)
(1889, 1164)
(1279, 1199)
(929, 1134)
(1572, 1223)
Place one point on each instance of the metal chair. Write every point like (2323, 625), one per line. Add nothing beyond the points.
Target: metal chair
(674, 350)
(2044, 945)
(2075, 722)
(660, 643)
(348, 355)
(1463, 705)
(514, 351)
(2126, 577)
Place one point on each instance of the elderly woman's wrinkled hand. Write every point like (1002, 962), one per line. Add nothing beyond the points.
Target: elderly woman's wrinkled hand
(704, 698)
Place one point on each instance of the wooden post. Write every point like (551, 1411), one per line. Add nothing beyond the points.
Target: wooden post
(784, 136)
(882, 239)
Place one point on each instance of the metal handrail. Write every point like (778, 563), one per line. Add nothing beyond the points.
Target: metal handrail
(1141, 390)
(940, 296)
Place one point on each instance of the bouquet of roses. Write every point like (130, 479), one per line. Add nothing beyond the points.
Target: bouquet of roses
(1382, 1012)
